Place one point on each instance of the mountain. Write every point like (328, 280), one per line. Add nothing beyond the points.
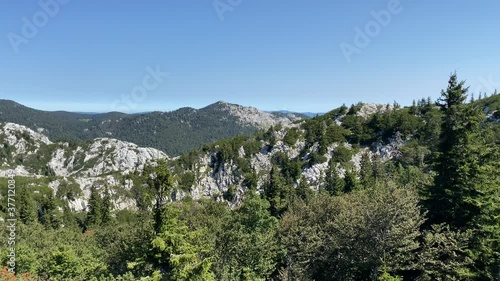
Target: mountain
(210, 172)
(307, 147)
(322, 186)
(173, 132)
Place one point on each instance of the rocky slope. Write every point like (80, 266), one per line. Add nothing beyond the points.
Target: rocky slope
(224, 170)
(101, 162)
(252, 117)
(107, 162)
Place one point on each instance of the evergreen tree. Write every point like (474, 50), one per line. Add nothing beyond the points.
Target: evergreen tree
(465, 192)
(413, 108)
(333, 183)
(27, 206)
(378, 168)
(277, 192)
(94, 215)
(251, 180)
(179, 253)
(48, 214)
(350, 181)
(247, 248)
(366, 174)
(160, 182)
(446, 201)
(303, 190)
(68, 218)
(107, 207)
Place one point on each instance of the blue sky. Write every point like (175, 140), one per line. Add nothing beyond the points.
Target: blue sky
(94, 55)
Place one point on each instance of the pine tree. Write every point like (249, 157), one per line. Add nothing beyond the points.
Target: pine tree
(160, 182)
(277, 192)
(48, 214)
(366, 174)
(303, 190)
(68, 218)
(94, 215)
(465, 192)
(350, 180)
(413, 108)
(333, 183)
(27, 206)
(377, 168)
(446, 199)
(107, 207)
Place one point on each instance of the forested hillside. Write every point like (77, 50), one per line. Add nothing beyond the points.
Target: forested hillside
(173, 132)
(363, 192)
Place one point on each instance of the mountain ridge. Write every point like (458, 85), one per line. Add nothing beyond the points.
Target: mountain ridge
(173, 132)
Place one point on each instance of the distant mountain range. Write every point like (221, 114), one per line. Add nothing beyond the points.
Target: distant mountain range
(308, 114)
(173, 132)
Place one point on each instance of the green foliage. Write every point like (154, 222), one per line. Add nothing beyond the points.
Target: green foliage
(335, 134)
(94, 215)
(57, 254)
(365, 223)
(333, 183)
(230, 194)
(251, 147)
(180, 252)
(27, 206)
(317, 158)
(107, 207)
(187, 180)
(161, 185)
(292, 136)
(247, 248)
(342, 154)
(48, 214)
(69, 190)
(277, 192)
(347, 237)
(443, 255)
(465, 190)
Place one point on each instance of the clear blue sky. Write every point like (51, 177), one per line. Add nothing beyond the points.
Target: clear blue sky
(272, 54)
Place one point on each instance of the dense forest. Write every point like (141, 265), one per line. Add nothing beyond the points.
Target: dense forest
(432, 212)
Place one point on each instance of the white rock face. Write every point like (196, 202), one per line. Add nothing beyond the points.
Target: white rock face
(87, 165)
(107, 155)
(17, 171)
(371, 108)
(493, 117)
(105, 161)
(216, 178)
(11, 129)
(254, 117)
(23, 139)
(392, 149)
(119, 156)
